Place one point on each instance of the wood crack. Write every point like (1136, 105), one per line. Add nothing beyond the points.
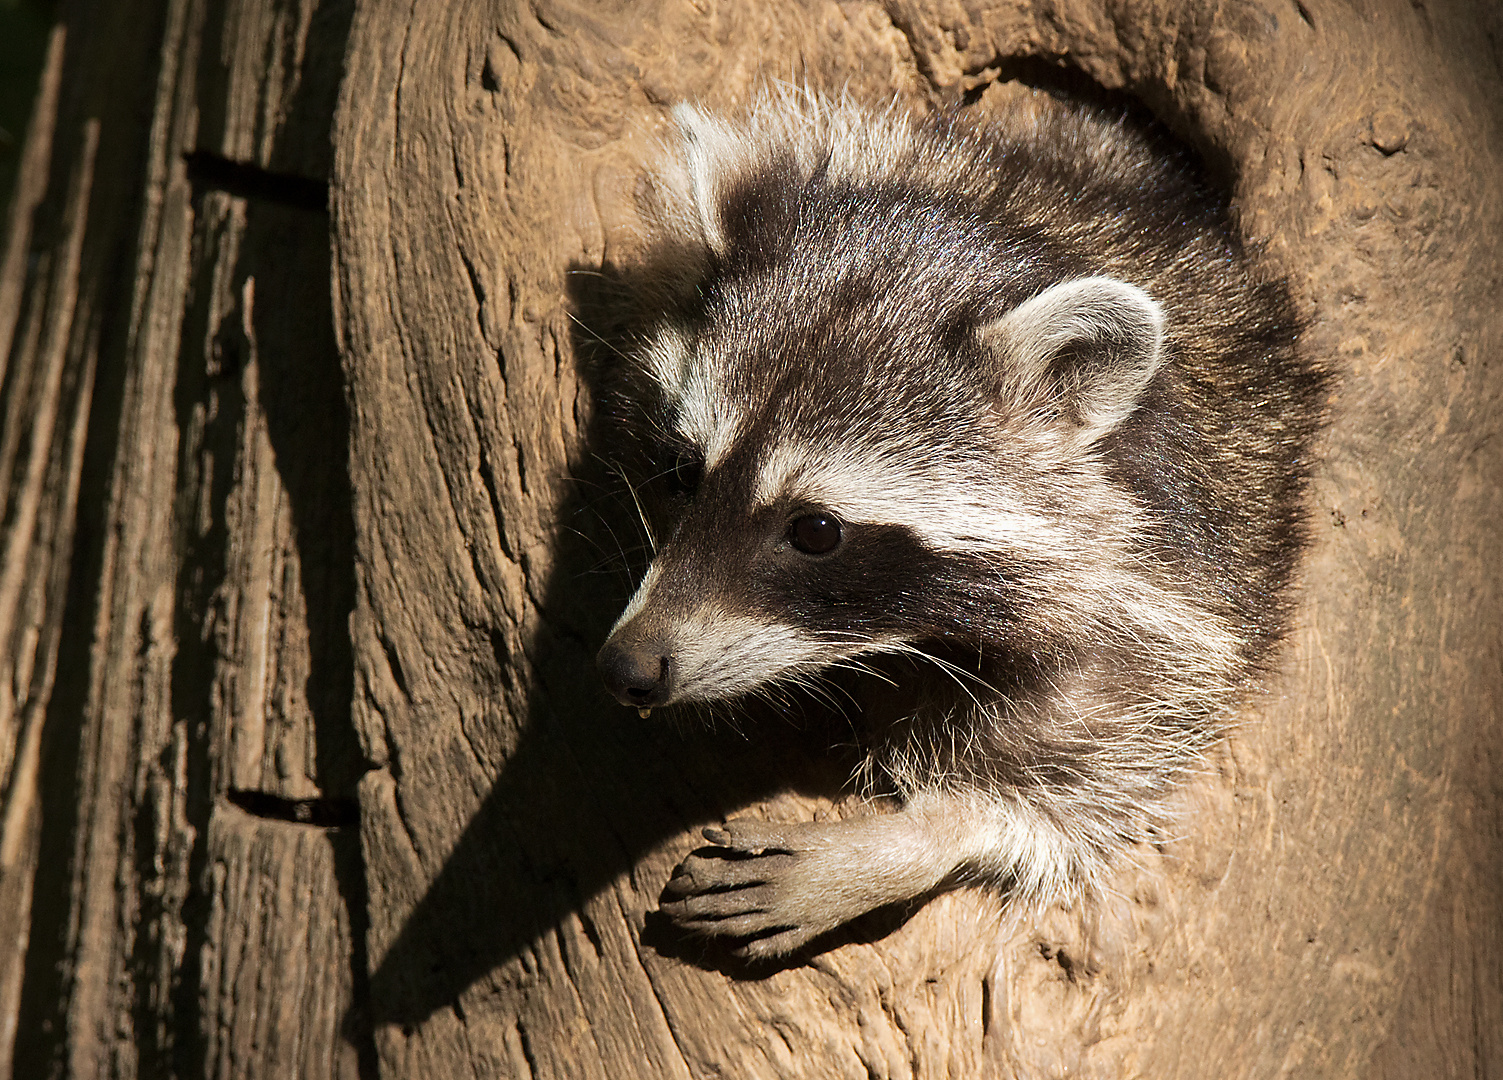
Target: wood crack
(323, 813)
(212, 172)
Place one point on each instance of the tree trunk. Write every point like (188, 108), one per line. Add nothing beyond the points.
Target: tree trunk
(293, 543)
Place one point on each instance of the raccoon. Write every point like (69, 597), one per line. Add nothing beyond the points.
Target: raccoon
(993, 410)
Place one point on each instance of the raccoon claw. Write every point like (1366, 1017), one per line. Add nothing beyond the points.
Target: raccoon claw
(749, 837)
(717, 874)
(757, 884)
(779, 944)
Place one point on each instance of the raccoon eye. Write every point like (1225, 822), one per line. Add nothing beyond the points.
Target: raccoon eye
(814, 534)
(687, 470)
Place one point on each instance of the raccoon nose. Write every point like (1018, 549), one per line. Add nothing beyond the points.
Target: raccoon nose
(636, 675)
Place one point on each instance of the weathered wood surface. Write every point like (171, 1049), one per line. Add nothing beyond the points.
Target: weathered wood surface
(1330, 907)
(224, 628)
(40, 504)
(173, 374)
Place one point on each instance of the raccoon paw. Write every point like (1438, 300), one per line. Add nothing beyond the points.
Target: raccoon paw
(777, 886)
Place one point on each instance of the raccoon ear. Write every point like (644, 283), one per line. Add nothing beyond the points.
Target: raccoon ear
(1087, 347)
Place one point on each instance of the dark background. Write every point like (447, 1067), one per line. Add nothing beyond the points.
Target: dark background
(23, 42)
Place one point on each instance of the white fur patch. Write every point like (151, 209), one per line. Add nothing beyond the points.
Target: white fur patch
(850, 141)
(667, 358)
(639, 598)
(997, 838)
(950, 510)
(706, 416)
(720, 654)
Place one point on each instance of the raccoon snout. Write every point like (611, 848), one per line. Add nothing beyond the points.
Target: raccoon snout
(639, 675)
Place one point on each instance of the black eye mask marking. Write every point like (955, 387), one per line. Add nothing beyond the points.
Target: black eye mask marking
(685, 472)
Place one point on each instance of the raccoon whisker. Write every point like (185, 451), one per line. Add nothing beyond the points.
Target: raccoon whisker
(622, 555)
(617, 552)
(602, 491)
(618, 566)
(858, 666)
(961, 677)
(813, 687)
(652, 540)
(778, 694)
(587, 538)
(726, 714)
(604, 507)
(593, 336)
(822, 689)
(835, 689)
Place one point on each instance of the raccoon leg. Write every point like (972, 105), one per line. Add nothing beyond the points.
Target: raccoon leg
(780, 885)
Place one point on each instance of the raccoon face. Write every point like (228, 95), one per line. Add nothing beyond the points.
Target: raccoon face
(861, 504)
(784, 560)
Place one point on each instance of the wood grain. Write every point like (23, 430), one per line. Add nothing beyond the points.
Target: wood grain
(196, 775)
(307, 551)
(481, 155)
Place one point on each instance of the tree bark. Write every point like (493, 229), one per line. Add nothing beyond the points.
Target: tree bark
(293, 542)
(482, 155)
(177, 578)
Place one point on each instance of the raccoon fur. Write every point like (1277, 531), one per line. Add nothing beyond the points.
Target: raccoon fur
(995, 409)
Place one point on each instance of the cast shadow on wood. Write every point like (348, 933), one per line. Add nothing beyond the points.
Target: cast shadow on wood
(591, 787)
